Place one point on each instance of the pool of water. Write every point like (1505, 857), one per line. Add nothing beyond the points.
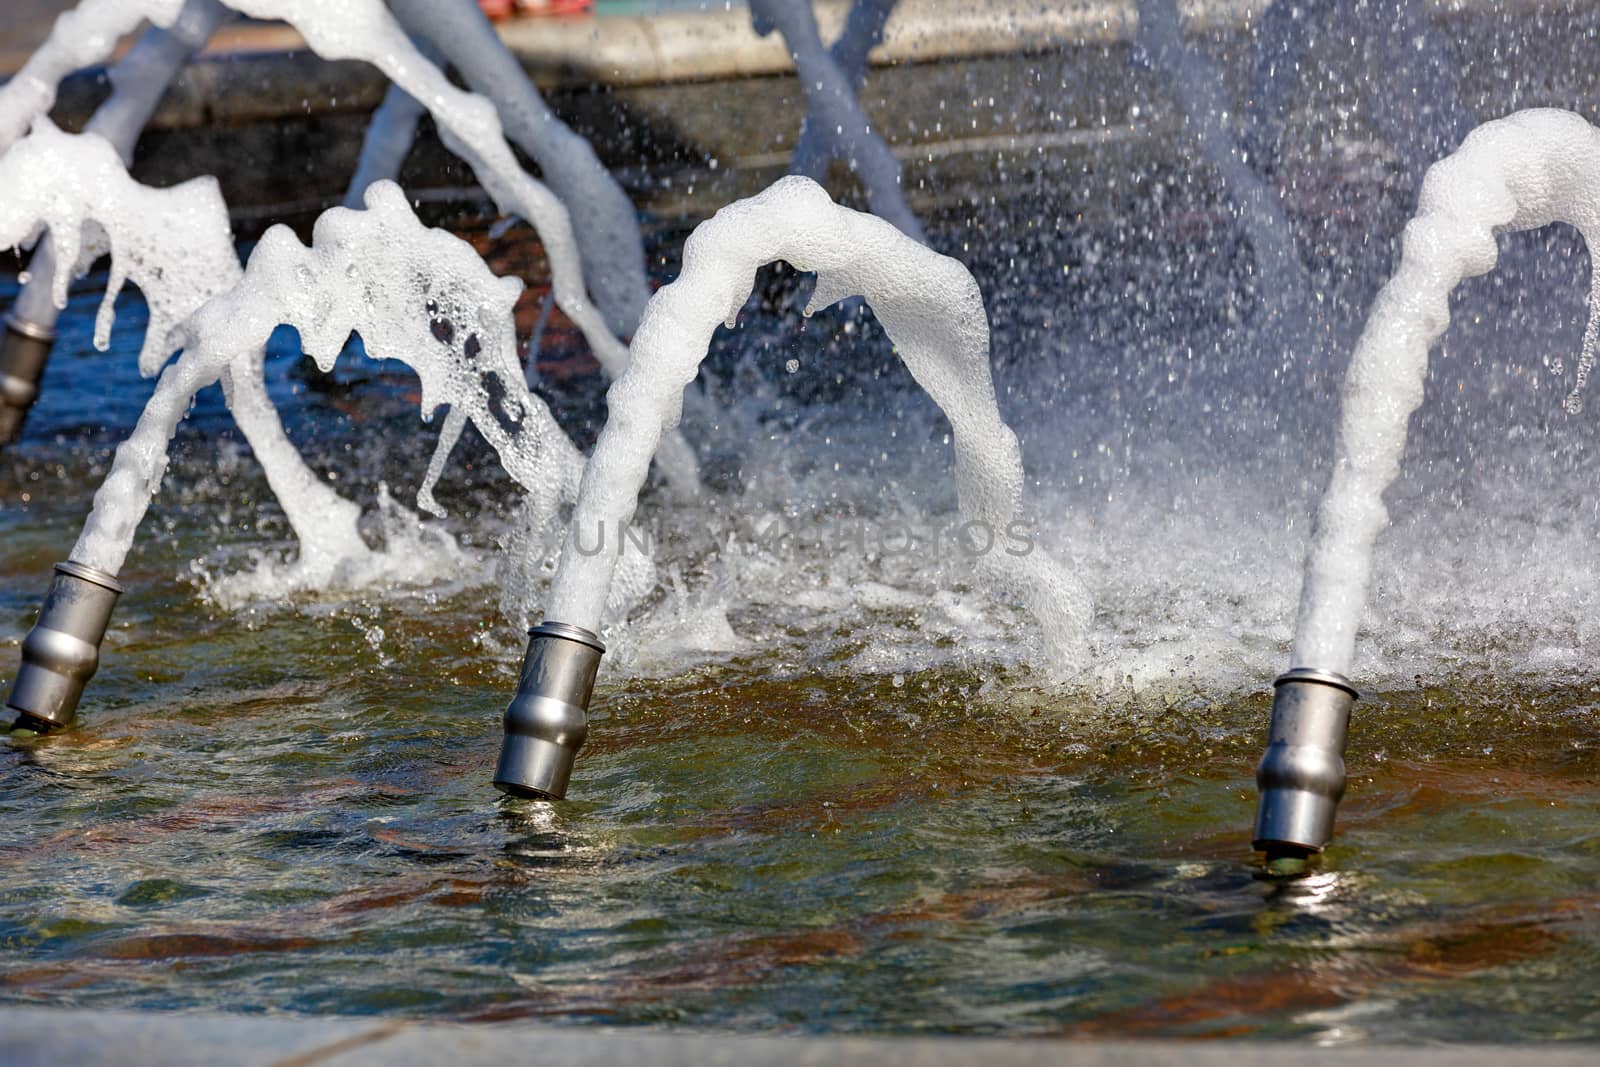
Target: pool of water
(827, 788)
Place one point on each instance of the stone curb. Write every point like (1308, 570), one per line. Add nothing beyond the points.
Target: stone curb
(40, 1036)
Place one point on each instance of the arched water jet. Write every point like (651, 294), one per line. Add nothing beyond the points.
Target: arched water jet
(391, 133)
(138, 82)
(414, 294)
(932, 311)
(602, 215)
(1522, 172)
(603, 218)
(177, 246)
(79, 38)
(863, 31)
(365, 30)
(834, 110)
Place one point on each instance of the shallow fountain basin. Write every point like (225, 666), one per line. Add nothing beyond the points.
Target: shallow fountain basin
(872, 817)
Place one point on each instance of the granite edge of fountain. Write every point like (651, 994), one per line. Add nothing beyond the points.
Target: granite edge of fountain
(42, 1036)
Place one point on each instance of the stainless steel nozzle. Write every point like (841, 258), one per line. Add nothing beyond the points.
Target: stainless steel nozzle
(548, 719)
(1301, 777)
(62, 651)
(24, 350)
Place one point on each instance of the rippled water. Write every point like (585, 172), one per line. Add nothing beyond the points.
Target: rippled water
(865, 813)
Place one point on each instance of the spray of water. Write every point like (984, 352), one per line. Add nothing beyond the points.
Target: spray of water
(931, 309)
(1415, 102)
(1203, 95)
(834, 111)
(1518, 173)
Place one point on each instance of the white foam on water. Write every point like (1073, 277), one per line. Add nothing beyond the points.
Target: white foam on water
(411, 553)
(931, 309)
(1521, 172)
(80, 38)
(835, 113)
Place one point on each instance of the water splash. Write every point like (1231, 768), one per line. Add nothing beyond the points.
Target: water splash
(1518, 173)
(932, 310)
(835, 112)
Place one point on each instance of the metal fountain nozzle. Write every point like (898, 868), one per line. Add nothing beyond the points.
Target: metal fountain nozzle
(24, 350)
(548, 718)
(62, 651)
(1301, 777)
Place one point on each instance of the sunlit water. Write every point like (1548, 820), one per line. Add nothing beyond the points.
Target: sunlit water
(870, 815)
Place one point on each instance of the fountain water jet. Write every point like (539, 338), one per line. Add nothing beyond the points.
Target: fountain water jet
(414, 294)
(834, 112)
(366, 31)
(177, 247)
(80, 38)
(863, 31)
(139, 80)
(391, 132)
(931, 309)
(1522, 172)
(603, 218)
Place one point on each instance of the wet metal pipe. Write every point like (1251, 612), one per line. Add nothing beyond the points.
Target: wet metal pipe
(62, 651)
(1301, 777)
(24, 350)
(548, 718)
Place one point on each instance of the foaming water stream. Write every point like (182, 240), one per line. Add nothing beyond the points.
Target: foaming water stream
(871, 800)
(419, 295)
(1522, 172)
(80, 38)
(176, 245)
(834, 116)
(469, 125)
(931, 309)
